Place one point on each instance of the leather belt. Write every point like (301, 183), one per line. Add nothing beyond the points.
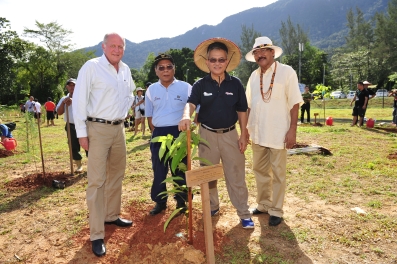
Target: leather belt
(220, 130)
(100, 120)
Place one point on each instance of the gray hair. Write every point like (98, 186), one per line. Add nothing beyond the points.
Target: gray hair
(105, 38)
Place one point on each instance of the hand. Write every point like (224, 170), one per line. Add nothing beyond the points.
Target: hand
(184, 124)
(84, 143)
(364, 107)
(248, 138)
(242, 143)
(290, 138)
(68, 101)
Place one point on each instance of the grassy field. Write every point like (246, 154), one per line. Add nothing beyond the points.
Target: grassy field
(319, 225)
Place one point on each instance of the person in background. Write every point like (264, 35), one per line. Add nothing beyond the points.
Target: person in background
(394, 94)
(360, 100)
(147, 88)
(222, 102)
(50, 108)
(139, 109)
(274, 98)
(371, 94)
(29, 105)
(5, 132)
(101, 100)
(61, 109)
(37, 110)
(165, 100)
(307, 97)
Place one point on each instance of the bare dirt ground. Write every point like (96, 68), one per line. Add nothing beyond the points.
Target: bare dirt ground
(35, 235)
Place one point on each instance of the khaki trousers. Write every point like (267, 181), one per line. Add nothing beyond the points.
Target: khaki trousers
(225, 147)
(270, 168)
(106, 168)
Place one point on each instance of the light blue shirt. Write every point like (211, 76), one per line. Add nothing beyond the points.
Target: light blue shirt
(165, 105)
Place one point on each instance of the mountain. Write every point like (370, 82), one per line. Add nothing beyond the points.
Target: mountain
(324, 20)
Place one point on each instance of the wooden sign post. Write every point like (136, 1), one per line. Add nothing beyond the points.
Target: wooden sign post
(201, 177)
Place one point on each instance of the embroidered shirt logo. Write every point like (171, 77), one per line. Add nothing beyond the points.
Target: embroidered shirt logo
(207, 94)
(227, 93)
(156, 98)
(178, 97)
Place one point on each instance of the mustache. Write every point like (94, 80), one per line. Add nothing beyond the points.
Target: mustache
(261, 57)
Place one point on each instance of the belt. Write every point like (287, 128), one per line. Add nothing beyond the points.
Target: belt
(100, 120)
(220, 130)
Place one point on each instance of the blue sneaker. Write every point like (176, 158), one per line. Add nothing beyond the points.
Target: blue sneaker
(215, 212)
(247, 223)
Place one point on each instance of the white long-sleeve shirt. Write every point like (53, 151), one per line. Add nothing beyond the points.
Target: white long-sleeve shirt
(101, 92)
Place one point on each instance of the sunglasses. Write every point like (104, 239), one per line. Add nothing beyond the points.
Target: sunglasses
(168, 67)
(259, 51)
(213, 60)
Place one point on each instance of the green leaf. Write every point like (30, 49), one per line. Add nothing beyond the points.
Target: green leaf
(182, 167)
(172, 179)
(162, 150)
(202, 140)
(170, 138)
(203, 160)
(176, 211)
(159, 139)
(181, 153)
(195, 138)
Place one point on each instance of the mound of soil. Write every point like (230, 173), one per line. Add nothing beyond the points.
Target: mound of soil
(392, 156)
(36, 180)
(6, 153)
(147, 241)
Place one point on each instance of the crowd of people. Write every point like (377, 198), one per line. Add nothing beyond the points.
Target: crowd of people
(98, 107)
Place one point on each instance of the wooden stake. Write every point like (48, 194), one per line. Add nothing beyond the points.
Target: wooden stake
(189, 190)
(209, 240)
(41, 145)
(69, 140)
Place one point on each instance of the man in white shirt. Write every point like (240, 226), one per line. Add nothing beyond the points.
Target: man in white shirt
(37, 109)
(29, 105)
(273, 103)
(101, 100)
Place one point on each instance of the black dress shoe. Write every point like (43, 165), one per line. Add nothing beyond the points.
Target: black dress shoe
(98, 247)
(274, 220)
(120, 222)
(256, 212)
(158, 208)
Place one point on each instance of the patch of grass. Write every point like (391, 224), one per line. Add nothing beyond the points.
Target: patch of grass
(375, 204)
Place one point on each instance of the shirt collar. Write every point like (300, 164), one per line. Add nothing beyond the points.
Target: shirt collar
(228, 77)
(270, 68)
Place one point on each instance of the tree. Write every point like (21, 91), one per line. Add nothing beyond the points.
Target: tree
(291, 36)
(247, 37)
(11, 49)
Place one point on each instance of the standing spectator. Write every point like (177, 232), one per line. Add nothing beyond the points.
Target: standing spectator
(22, 107)
(147, 88)
(50, 108)
(37, 110)
(394, 94)
(273, 104)
(29, 105)
(222, 102)
(102, 98)
(307, 97)
(139, 109)
(371, 94)
(165, 100)
(61, 109)
(360, 100)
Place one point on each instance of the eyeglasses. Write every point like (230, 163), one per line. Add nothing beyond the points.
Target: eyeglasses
(168, 67)
(220, 60)
(258, 51)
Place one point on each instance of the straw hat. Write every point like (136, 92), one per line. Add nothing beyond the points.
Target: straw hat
(263, 43)
(233, 54)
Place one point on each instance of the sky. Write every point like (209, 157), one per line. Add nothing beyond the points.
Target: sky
(137, 21)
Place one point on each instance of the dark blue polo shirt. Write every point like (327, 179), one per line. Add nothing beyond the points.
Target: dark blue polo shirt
(219, 105)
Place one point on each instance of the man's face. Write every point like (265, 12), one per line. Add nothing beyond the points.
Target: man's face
(31, 98)
(113, 49)
(70, 86)
(264, 57)
(360, 86)
(217, 61)
(165, 70)
(306, 89)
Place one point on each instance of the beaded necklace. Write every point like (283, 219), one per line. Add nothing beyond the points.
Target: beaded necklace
(267, 96)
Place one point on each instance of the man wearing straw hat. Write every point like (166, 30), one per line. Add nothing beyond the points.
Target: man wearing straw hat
(273, 103)
(61, 109)
(222, 102)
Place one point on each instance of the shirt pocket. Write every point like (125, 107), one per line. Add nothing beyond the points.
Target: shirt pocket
(278, 91)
